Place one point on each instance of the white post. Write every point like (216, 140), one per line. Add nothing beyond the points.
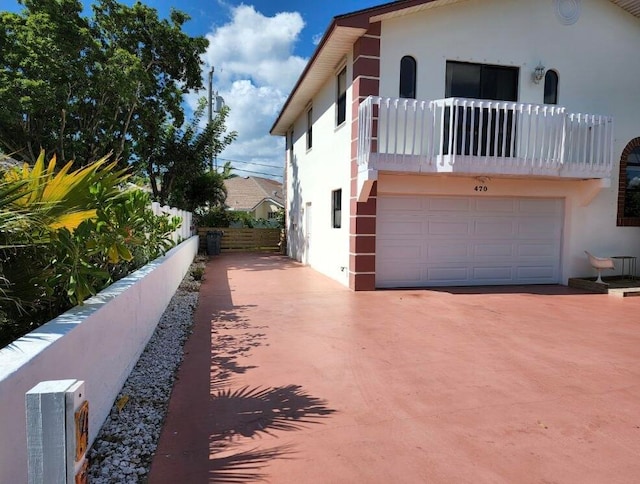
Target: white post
(57, 432)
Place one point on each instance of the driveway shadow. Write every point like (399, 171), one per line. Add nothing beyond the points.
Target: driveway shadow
(211, 418)
(250, 412)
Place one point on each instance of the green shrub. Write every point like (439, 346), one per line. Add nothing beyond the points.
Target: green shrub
(197, 273)
(219, 217)
(66, 236)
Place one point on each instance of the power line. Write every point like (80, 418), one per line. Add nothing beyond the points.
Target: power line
(258, 172)
(251, 163)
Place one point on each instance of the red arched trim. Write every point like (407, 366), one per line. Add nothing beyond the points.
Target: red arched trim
(623, 221)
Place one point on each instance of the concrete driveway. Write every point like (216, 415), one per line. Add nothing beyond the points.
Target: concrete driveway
(291, 378)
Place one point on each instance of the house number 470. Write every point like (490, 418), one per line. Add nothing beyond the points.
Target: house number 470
(480, 188)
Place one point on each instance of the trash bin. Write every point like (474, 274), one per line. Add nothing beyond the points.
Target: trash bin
(214, 239)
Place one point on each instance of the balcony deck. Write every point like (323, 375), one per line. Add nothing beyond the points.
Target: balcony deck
(481, 137)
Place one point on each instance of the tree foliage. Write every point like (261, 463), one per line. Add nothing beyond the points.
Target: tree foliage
(180, 165)
(79, 87)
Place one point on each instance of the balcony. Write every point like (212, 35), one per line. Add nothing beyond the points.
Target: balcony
(480, 138)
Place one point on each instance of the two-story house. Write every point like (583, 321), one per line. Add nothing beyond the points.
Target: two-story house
(466, 142)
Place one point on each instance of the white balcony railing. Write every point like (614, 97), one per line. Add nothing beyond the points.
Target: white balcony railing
(482, 137)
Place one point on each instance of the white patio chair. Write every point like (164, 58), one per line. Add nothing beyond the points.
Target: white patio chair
(600, 263)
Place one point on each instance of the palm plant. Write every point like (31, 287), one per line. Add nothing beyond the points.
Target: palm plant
(40, 208)
(64, 198)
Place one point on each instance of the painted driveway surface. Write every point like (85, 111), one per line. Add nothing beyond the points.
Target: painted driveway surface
(291, 378)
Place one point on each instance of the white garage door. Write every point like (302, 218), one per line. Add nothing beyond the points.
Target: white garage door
(462, 241)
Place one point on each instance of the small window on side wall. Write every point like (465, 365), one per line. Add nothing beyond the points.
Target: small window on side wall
(629, 185)
(551, 87)
(290, 146)
(336, 208)
(310, 128)
(341, 97)
(408, 77)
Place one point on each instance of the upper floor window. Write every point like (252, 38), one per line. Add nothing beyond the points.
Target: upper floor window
(481, 81)
(309, 128)
(341, 97)
(408, 77)
(290, 146)
(551, 87)
(336, 208)
(629, 191)
(480, 131)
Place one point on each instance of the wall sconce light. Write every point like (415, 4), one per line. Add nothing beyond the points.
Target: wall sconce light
(538, 73)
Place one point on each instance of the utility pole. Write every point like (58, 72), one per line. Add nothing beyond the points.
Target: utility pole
(211, 106)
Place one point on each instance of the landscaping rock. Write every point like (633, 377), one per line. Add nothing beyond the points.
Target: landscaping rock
(124, 447)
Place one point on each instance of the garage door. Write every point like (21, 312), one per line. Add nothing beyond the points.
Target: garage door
(462, 241)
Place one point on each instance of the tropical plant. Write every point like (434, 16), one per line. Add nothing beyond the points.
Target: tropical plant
(204, 190)
(182, 157)
(124, 235)
(66, 235)
(47, 206)
(64, 198)
(215, 217)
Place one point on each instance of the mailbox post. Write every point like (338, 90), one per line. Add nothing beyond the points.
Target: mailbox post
(57, 432)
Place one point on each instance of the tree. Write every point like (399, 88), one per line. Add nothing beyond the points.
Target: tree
(205, 190)
(181, 157)
(40, 69)
(226, 171)
(80, 87)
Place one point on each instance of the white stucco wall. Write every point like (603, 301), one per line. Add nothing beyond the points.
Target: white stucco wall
(598, 62)
(99, 342)
(323, 168)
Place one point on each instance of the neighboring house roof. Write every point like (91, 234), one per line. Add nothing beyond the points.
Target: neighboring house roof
(338, 41)
(246, 193)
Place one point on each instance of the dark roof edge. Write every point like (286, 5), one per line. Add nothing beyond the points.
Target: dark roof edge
(316, 52)
(356, 19)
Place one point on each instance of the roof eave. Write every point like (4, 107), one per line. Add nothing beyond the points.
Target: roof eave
(335, 44)
(267, 199)
(333, 47)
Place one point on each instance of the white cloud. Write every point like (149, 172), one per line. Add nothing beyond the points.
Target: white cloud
(255, 69)
(316, 39)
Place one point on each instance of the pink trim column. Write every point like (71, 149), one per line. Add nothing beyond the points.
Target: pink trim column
(362, 223)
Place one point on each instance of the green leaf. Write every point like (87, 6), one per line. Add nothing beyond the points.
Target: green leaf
(124, 252)
(113, 255)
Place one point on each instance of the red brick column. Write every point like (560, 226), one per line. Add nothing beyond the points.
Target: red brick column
(362, 223)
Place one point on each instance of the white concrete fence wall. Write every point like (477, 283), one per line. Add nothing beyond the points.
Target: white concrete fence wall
(99, 342)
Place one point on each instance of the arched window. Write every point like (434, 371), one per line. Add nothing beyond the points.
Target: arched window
(408, 77)
(551, 87)
(629, 185)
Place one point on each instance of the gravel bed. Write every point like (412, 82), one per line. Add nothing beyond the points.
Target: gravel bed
(125, 445)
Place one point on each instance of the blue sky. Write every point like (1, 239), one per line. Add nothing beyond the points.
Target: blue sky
(258, 49)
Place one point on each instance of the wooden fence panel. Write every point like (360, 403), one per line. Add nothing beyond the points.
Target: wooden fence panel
(243, 239)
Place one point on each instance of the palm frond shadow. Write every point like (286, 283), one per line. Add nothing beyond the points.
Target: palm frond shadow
(246, 466)
(232, 337)
(251, 412)
(248, 412)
